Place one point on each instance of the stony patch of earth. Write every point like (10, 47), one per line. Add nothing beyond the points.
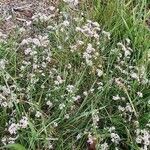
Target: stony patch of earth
(14, 13)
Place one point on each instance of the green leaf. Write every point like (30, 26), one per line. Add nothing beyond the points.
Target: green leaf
(14, 147)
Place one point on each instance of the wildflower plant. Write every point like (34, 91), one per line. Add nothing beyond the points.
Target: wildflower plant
(69, 80)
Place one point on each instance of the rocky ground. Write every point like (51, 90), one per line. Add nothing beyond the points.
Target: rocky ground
(15, 13)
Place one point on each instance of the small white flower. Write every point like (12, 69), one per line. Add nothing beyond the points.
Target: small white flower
(99, 72)
(4, 104)
(67, 116)
(2, 63)
(140, 94)
(42, 86)
(80, 42)
(69, 66)
(22, 30)
(78, 136)
(70, 88)
(121, 108)
(27, 51)
(28, 23)
(43, 64)
(50, 146)
(66, 23)
(134, 75)
(13, 128)
(52, 8)
(35, 66)
(136, 123)
(58, 81)
(115, 138)
(139, 139)
(128, 40)
(128, 108)
(78, 29)
(122, 46)
(127, 53)
(95, 118)
(49, 103)
(59, 47)
(89, 62)
(61, 106)
(55, 124)
(146, 142)
(89, 48)
(107, 34)
(111, 129)
(4, 140)
(90, 141)
(23, 123)
(85, 93)
(104, 146)
(76, 98)
(25, 41)
(91, 90)
(36, 42)
(38, 114)
(117, 97)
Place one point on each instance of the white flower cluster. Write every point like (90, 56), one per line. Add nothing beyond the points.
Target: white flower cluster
(76, 98)
(104, 146)
(90, 54)
(140, 94)
(38, 114)
(66, 23)
(49, 103)
(61, 106)
(90, 29)
(128, 73)
(91, 139)
(107, 34)
(3, 63)
(115, 138)
(7, 96)
(58, 80)
(95, 119)
(79, 136)
(134, 75)
(127, 111)
(9, 140)
(143, 138)
(70, 88)
(128, 108)
(14, 127)
(23, 123)
(87, 55)
(100, 86)
(126, 49)
(99, 72)
(117, 97)
(40, 41)
(78, 44)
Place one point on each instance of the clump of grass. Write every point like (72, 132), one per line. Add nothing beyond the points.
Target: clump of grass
(77, 78)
